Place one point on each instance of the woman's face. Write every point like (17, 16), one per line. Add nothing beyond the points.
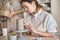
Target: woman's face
(29, 7)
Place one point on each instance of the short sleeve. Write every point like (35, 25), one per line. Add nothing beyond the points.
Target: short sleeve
(51, 25)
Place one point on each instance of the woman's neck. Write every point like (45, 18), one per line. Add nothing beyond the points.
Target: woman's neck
(36, 10)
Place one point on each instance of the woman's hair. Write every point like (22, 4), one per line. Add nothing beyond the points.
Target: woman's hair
(38, 6)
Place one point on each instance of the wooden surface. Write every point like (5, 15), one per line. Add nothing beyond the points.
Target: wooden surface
(43, 38)
(33, 38)
(3, 38)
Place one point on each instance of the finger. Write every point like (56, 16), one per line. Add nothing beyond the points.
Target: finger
(24, 21)
(25, 25)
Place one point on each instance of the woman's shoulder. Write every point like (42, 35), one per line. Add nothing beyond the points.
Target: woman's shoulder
(49, 16)
(46, 13)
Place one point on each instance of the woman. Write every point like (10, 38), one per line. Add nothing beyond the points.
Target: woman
(38, 21)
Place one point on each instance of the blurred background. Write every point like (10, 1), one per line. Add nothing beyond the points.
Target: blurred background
(51, 6)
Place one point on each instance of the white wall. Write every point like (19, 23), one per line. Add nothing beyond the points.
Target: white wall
(55, 9)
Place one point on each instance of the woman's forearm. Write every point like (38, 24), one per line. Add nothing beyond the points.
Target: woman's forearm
(17, 12)
(14, 13)
(44, 34)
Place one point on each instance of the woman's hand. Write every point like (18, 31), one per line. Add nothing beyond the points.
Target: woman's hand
(11, 13)
(29, 27)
